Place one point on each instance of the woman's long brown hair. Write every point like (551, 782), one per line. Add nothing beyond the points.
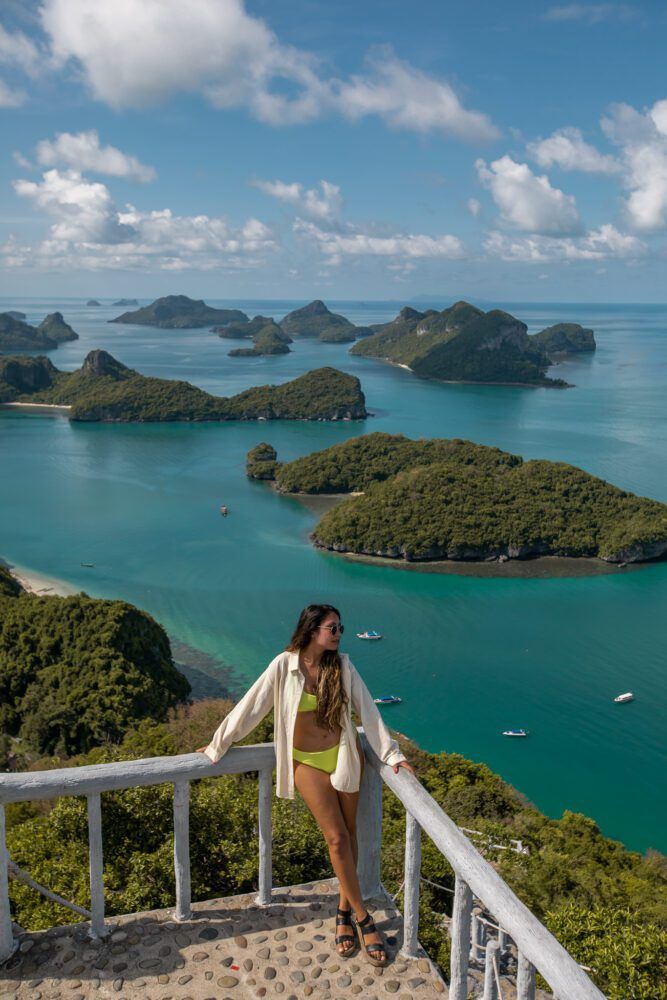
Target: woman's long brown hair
(331, 695)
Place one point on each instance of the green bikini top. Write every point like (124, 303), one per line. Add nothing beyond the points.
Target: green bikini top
(307, 702)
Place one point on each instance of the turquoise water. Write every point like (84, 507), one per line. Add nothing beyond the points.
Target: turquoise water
(469, 656)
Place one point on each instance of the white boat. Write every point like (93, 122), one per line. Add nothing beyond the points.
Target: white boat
(369, 634)
(388, 699)
(628, 696)
(515, 732)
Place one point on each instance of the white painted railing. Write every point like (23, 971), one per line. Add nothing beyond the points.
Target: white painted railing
(475, 878)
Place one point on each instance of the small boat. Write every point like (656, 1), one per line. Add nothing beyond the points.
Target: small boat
(369, 634)
(515, 732)
(628, 696)
(224, 510)
(387, 699)
(88, 565)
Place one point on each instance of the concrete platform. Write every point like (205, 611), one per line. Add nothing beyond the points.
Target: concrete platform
(231, 948)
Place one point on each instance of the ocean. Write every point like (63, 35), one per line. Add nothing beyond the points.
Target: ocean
(469, 656)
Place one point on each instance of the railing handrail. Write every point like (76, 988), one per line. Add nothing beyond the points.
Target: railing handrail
(94, 778)
(535, 943)
(532, 938)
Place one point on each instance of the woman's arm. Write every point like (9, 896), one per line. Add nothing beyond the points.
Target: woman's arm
(377, 733)
(246, 714)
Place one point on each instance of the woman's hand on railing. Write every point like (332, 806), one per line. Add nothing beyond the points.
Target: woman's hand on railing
(404, 763)
(201, 750)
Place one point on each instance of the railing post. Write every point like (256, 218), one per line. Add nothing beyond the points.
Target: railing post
(413, 864)
(183, 909)
(491, 970)
(98, 929)
(460, 934)
(265, 837)
(7, 943)
(525, 979)
(477, 936)
(369, 827)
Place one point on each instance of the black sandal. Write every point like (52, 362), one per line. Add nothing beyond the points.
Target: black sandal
(343, 918)
(367, 926)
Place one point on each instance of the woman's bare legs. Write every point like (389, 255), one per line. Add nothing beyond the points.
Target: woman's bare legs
(324, 803)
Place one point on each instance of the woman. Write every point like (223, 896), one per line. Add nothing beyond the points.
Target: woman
(312, 689)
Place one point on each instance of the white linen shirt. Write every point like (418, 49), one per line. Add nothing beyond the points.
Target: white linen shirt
(280, 687)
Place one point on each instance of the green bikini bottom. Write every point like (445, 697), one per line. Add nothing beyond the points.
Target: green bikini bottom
(323, 760)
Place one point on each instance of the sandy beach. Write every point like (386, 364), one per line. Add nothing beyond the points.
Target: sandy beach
(45, 408)
(38, 583)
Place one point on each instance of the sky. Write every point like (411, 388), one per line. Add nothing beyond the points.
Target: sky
(305, 149)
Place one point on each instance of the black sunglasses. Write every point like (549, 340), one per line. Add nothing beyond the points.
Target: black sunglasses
(333, 628)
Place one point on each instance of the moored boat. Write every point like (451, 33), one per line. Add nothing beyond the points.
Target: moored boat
(628, 696)
(515, 732)
(388, 699)
(369, 634)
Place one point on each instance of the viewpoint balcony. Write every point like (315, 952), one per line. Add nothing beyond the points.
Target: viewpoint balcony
(276, 940)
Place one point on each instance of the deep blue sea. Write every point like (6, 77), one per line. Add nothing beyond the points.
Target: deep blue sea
(469, 656)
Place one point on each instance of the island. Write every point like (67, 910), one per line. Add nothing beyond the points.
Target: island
(16, 335)
(15, 314)
(268, 338)
(104, 389)
(437, 500)
(315, 320)
(463, 344)
(126, 302)
(565, 338)
(178, 312)
(93, 302)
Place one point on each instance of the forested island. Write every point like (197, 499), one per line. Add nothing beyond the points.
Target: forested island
(17, 335)
(318, 322)
(434, 500)
(88, 681)
(104, 389)
(266, 335)
(464, 344)
(177, 312)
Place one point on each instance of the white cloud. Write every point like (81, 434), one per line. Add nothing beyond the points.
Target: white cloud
(591, 13)
(82, 151)
(567, 149)
(136, 53)
(600, 244)
(84, 211)
(89, 232)
(324, 205)
(474, 207)
(16, 49)
(642, 139)
(526, 201)
(404, 97)
(11, 98)
(354, 243)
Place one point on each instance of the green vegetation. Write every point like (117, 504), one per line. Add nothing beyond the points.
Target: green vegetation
(352, 466)
(177, 312)
(461, 344)
(16, 335)
(268, 338)
(9, 585)
(565, 338)
(242, 329)
(315, 320)
(75, 672)
(261, 462)
(104, 389)
(568, 862)
(442, 499)
(55, 327)
(24, 375)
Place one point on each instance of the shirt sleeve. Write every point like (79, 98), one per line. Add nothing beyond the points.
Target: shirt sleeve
(246, 714)
(378, 735)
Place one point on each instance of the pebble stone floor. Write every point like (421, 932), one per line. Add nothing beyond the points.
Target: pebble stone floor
(231, 948)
